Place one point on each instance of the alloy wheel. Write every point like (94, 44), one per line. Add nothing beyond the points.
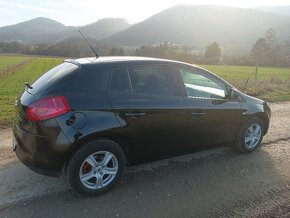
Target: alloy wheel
(253, 135)
(98, 170)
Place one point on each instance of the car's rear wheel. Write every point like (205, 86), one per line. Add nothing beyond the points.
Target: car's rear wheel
(96, 167)
(250, 136)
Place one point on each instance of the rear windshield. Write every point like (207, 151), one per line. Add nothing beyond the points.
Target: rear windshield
(55, 78)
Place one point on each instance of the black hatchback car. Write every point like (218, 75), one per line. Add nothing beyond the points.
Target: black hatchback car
(90, 118)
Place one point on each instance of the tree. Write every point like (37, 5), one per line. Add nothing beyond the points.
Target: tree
(272, 46)
(270, 37)
(284, 54)
(116, 51)
(121, 52)
(213, 53)
(169, 50)
(266, 50)
(259, 52)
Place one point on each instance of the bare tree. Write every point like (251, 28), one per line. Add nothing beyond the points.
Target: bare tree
(258, 52)
(273, 46)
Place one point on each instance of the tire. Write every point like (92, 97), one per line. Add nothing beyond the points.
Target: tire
(250, 136)
(96, 167)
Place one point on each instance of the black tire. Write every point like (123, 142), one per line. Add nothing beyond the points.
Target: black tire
(73, 167)
(241, 145)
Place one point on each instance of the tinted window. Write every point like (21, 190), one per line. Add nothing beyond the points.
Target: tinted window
(201, 86)
(54, 78)
(91, 78)
(120, 81)
(152, 80)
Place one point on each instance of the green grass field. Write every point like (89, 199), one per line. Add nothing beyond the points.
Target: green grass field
(7, 61)
(272, 84)
(12, 83)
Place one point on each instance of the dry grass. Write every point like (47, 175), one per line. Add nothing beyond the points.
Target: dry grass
(271, 84)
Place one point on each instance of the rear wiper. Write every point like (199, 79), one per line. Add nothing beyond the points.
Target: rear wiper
(28, 85)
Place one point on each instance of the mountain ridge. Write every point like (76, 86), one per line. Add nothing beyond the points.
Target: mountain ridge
(200, 25)
(283, 10)
(46, 30)
(235, 29)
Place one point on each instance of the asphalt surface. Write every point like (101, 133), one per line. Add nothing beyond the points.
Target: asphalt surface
(214, 183)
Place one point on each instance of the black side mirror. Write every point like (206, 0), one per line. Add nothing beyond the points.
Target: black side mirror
(233, 94)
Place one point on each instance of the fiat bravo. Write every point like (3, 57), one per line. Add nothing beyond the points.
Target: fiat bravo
(90, 118)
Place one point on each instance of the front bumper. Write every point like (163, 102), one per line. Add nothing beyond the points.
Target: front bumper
(41, 154)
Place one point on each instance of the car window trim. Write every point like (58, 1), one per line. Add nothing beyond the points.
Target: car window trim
(110, 79)
(130, 83)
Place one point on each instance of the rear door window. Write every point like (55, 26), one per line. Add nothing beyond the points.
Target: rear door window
(152, 80)
(91, 79)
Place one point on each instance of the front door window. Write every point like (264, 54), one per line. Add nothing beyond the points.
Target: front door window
(202, 86)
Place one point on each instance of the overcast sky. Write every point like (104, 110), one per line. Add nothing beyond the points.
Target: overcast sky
(81, 12)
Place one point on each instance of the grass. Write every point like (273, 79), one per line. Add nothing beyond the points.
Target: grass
(7, 60)
(272, 84)
(9, 64)
(12, 84)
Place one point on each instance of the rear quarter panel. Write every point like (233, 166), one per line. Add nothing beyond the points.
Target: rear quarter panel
(91, 115)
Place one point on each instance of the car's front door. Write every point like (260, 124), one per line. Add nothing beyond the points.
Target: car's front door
(147, 103)
(213, 117)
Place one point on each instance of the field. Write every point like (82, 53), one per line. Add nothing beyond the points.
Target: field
(272, 84)
(14, 72)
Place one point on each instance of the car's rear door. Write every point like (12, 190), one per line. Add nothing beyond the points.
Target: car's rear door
(213, 118)
(147, 103)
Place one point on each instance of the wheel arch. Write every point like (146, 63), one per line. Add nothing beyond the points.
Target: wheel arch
(119, 139)
(264, 119)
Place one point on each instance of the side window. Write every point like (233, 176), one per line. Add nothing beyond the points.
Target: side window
(120, 81)
(152, 80)
(91, 79)
(198, 85)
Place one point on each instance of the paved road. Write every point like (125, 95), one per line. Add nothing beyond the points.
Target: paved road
(216, 182)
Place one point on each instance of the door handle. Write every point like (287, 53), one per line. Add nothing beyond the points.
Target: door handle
(197, 113)
(135, 114)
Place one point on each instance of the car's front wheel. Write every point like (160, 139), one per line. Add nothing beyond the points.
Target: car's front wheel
(96, 167)
(250, 136)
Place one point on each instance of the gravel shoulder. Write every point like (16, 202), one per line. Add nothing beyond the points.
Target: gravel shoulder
(217, 182)
(6, 153)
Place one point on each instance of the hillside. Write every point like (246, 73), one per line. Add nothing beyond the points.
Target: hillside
(283, 10)
(233, 28)
(35, 30)
(44, 30)
(104, 28)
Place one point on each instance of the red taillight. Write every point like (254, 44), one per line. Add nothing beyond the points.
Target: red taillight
(47, 108)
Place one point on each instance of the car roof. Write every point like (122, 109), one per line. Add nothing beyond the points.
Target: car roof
(124, 61)
(121, 60)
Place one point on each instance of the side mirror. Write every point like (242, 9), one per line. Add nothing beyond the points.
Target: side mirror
(233, 94)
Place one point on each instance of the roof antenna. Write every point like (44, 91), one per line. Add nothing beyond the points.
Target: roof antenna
(89, 45)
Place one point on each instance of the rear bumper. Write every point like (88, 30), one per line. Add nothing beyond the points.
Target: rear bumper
(41, 154)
